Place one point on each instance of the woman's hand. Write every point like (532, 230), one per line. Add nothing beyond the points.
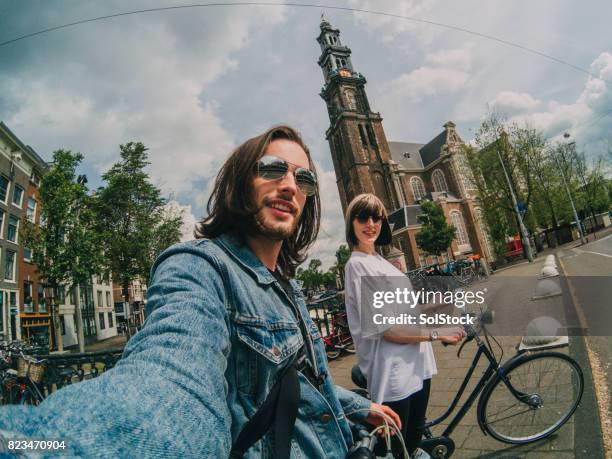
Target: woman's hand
(453, 338)
(376, 419)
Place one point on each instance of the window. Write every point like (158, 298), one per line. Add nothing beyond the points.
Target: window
(371, 136)
(31, 210)
(28, 302)
(4, 186)
(17, 196)
(418, 188)
(108, 299)
(101, 318)
(364, 142)
(99, 295)
(13, 227)
(439, 182)
(9, 265)
(1, 223)
(62, 324)
(350, 99)
(27, 254)
(459, 224)
(110, 320)
(61, 295)
(42, 301)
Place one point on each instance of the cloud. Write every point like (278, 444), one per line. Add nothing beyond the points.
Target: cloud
(189, 220)
(510, 102)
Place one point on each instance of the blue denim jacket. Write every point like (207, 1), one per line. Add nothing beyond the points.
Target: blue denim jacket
(219, 331)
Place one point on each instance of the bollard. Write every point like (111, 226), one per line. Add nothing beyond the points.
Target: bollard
(548, 271)
(546, 288)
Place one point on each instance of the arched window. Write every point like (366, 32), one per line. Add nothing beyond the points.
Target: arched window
(459, 224)
(350, 98)
(439, 182)
(418, 188)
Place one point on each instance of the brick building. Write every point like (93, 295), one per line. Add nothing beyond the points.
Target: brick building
(401, 174)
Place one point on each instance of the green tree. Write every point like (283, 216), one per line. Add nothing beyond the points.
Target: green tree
(342, 257)
(134, 220)
(65, 246)
(436, 235)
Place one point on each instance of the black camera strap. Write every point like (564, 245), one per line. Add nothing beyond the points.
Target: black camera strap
(278, 410)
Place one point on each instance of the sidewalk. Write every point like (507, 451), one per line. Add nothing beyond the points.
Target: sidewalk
(469, 440)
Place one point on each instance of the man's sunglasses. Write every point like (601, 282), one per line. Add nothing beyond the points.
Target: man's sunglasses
(363, 218)
(273, 168)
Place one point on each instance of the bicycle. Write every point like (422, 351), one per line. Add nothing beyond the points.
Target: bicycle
(26, 389)
(339, 338)
(515, 396)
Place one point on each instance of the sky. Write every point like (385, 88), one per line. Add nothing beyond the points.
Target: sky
(193, 83)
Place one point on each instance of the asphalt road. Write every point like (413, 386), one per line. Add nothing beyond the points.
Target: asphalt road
(589, 272)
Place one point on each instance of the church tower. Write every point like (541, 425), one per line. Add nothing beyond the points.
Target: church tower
(357, 141)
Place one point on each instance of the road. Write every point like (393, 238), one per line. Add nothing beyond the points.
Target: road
(589, 271)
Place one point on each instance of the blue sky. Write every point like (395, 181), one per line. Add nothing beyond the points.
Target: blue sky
(193, 83)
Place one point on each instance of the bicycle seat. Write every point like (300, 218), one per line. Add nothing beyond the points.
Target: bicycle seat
(358, 378)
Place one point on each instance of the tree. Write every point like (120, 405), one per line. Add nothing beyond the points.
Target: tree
(436, 235)
(342, 257)
(65, 246)
(133, 218)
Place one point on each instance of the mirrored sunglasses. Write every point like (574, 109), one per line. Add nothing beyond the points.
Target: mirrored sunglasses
(273, 168)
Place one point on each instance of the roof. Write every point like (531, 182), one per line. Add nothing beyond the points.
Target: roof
(431, 151)
(20, 144)
(406, 154)
(404, 217)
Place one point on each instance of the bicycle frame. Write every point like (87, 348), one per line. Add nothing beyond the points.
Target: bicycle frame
(493, 368)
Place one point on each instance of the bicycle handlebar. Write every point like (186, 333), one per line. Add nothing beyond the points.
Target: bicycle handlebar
(364, 447)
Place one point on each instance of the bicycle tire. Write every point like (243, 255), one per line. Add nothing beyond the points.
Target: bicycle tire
(332, 352)
(522, 375)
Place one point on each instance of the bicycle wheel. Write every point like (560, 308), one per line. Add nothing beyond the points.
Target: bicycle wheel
(549, 387)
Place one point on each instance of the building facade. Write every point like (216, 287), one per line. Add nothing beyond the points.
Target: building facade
(106, 322)
(23, 305)
(132, 312)
(401, 174)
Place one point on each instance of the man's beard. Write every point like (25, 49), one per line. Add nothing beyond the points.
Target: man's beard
(278, 231)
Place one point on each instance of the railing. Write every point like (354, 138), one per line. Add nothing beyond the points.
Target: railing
(64, 369)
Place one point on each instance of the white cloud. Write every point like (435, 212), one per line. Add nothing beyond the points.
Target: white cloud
(189, 220)
(510, 102)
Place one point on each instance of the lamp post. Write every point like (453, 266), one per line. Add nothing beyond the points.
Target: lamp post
(522, 228)
(569, 194)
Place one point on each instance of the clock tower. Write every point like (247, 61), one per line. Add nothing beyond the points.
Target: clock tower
(357, 141)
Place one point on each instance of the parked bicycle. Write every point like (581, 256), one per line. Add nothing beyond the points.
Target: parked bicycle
(338, 339)
(525, 399)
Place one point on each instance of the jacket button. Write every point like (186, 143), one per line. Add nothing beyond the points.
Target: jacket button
(325, 417)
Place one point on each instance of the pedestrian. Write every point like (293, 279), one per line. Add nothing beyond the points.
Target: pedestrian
(398, 364)
(228, 354)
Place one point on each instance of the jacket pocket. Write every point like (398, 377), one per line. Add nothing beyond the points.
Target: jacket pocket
(264, 346)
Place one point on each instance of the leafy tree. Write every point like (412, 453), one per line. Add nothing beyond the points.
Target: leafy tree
(436, 235)
(342, 257)
(134, 219)
(65, 246)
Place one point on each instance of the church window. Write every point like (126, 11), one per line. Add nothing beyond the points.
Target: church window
(371, 136)
(459, 224)
(350, 99)
(439, 182)
(418, 188)
(364, 142)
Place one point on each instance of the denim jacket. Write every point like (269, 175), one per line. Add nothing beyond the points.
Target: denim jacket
(219, 331)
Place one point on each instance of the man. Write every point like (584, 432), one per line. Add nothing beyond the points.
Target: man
(225, 327)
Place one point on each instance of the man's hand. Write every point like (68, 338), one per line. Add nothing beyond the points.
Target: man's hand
(453, 338)
(376, 419)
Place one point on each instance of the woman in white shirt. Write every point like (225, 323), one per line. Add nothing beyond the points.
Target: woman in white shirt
(398, 367)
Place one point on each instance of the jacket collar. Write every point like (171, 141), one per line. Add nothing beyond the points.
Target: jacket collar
(235, 245)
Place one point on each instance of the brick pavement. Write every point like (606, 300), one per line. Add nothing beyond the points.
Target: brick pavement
(469, 440)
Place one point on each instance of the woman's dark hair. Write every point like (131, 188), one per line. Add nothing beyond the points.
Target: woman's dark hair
(370, 204)
(231, 203)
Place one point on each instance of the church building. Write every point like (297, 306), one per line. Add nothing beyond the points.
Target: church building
(401, 174)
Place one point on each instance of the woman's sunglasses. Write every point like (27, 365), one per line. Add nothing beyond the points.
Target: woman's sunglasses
(363, 218)
(273, 168)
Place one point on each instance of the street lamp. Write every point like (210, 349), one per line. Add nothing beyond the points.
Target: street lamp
(566, 135)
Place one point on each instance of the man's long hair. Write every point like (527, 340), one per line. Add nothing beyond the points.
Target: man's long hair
(232, 205)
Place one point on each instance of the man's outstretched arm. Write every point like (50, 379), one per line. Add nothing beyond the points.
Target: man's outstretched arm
(167, 396)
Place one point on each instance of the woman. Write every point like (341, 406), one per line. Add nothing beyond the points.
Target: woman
(397, 366)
